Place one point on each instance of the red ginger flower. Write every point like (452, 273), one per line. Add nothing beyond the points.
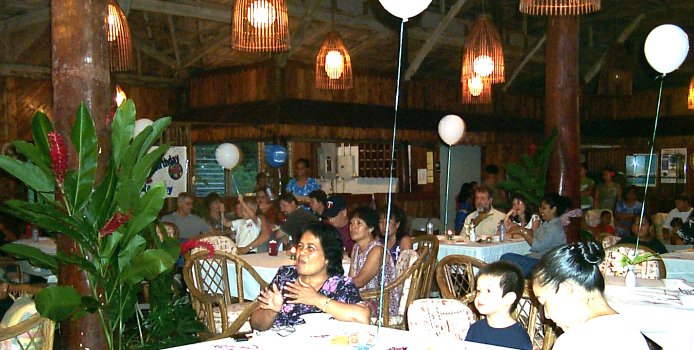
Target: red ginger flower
(116, 221)
(532, 149)
(58, 156)
(194, 243)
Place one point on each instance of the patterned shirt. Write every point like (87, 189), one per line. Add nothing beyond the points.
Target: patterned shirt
(686, 232)
(294, 188)
(337, 287)
(358, 262)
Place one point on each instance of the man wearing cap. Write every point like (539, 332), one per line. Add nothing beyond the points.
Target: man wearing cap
(297, 218)
(335, 214)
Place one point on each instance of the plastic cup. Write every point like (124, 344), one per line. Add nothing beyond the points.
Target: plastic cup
(272, 248)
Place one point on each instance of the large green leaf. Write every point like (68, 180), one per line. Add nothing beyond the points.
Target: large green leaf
(34, 155)
(28, 173)
(122, 129)
(133, 248)
(50, 219)
(158, 128)
(57, 302)
(171, 246)
(132, 153)
(40, 127)
(144, 166)
(101, 203)
(147, 209)
(147, 266)
(84, 140)
(34, 255)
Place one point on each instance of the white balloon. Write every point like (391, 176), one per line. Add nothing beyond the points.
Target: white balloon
(227, 155)
(451, 129)
(140, 125)
(405, 9)
(666, 48)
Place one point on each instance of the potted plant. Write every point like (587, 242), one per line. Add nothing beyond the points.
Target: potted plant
(109, 219)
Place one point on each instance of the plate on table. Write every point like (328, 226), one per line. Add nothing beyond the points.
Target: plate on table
(676, 283)
(316, 318)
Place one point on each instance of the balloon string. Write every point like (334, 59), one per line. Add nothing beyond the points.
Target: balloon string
(650, 159)
(233, 181)
(389, 202)
(448, 185)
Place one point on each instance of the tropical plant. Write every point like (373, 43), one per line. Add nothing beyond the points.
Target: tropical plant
(529, 178)
(105, 218)
(632, 259)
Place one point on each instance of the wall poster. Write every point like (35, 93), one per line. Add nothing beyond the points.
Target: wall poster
(172, 170)
(673, 165)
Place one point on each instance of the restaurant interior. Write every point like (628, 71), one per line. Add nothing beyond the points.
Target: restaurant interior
(351, 95)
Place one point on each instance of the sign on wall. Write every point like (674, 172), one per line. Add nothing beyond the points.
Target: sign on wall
(673, 165)
(172, 170)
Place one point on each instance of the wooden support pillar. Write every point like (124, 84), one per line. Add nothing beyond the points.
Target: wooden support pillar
(561, 107)
(80, 73)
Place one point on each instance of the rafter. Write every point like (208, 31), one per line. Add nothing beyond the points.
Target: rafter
(174, 43)
(433, 39)
(22, 21)
(151, 51)
(620, 40)
(44, 72)
(525, 61)
(30, 38)
(300, 34)
(370, 42)
(211, 45)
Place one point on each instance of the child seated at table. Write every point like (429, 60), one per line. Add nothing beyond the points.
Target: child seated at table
(604, 228)
(499, 288)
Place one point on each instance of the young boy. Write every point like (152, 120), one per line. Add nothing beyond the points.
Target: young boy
(499, 288)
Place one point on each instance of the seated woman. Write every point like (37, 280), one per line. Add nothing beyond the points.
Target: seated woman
(645, 235)
(549, 235)
(521, 216)
(215, 214)
(316, 284)
(367, 255)
(568, 283)
(398, 239)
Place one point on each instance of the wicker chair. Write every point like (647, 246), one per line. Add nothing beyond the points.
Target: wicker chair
(35, 332)
(455, 276)
(409, 282)
(428, 247)
(650, 269)
(207, 280)
(448, 318)
(220, 243)
(530, 314)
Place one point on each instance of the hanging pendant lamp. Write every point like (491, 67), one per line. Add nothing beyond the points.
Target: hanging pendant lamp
(484, 53)
(559, 7)
(476, 90)
(260, 25)
(120, 45)
(333, 64)
(690, 100)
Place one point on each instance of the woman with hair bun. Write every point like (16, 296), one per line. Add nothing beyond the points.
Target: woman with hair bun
(568, 283)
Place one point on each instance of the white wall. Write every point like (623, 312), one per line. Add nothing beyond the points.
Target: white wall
(466, 163)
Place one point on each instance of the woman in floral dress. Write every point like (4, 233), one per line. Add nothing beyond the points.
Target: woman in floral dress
(367, 256)
(316, 284)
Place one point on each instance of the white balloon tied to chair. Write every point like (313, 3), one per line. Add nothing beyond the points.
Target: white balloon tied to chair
(451, 130)
(227, 155)
(140, 125)
(405, 9)
(666, 47)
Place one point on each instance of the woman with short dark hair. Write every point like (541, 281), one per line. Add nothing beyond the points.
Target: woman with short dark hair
(398, 238)
(315, 284)
(569, 285)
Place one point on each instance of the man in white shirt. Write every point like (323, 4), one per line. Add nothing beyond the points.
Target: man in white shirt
(485, 219)
(682, 210)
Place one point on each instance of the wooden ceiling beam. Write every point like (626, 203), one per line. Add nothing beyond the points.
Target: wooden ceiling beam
(28, 40)
(151, 51)
(211, 45)
(433, 39)
(174, 43)
(525, 61)
(370, 42)
(22, 21)
(300, 34)
(42, 72)
(593, 71)
(125, 6)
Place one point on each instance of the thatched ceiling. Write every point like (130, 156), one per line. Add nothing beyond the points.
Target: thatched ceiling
(178, 38)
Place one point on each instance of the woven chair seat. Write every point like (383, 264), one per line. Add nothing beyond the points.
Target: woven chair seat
(233, 313)
(650, 269)
(440, 318)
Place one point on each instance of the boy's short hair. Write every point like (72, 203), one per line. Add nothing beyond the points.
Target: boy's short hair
(605, 212)
(510, 278)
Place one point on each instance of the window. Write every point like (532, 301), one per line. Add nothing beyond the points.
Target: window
(211, 177)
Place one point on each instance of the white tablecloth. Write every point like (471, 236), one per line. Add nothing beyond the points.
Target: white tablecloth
(267, 267)
(679, 265)
(487, 252)
(46, 245)
(323, 333)
(654, 310)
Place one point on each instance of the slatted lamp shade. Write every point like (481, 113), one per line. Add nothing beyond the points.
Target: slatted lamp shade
(476, 90)
(690, 100)
(333, 64)
(120, 45)
(260, 25)
(559, 7)
(484, 53)
(616, 77)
